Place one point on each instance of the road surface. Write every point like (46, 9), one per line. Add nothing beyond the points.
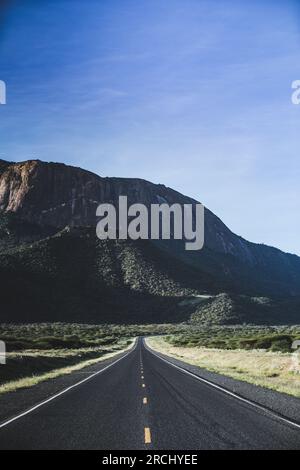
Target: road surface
(142, 402)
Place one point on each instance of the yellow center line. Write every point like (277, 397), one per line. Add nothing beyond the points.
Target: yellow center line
(147, 436)
(145, 401)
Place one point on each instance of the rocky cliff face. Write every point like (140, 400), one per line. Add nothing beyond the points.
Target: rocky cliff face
(57, 195)
(54, 195)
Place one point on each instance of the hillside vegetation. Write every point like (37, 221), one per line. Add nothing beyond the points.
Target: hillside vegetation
(72, 276)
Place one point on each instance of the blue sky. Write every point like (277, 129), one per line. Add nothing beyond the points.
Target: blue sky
(189, 93)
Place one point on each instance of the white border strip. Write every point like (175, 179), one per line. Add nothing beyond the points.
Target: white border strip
(11, 420)
(224, 390)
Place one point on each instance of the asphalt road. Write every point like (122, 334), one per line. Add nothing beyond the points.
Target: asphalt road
(142, 402)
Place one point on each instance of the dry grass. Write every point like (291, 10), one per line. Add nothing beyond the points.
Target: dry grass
(35, 379)
(63, 353)
(274, 370)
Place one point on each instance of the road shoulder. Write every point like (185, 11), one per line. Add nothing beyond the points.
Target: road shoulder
(280, 403)
(15, 402)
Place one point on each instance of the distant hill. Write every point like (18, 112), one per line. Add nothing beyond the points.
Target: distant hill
(52, 266)
(235, 309)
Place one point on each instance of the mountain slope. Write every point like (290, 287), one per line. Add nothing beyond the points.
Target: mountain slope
(52, 266)
(74, 276)
(54, 195)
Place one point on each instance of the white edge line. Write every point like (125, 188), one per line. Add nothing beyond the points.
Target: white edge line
(224, 390)
(35, 407)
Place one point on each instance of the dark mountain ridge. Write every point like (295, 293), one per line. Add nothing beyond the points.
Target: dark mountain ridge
(48, 216)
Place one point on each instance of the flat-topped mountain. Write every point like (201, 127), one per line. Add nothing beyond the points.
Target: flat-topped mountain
(39, 201)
